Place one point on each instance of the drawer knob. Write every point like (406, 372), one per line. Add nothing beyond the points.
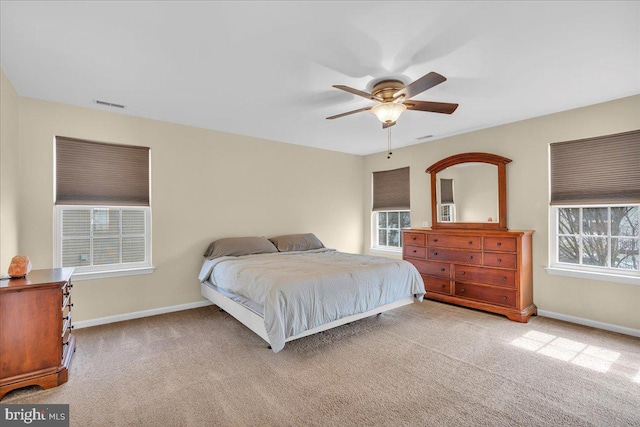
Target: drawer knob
(435, 240)
(65, 318)
(442, 269)
(462, 273)
(504, 298)
(66, 294)
(504, 277)
(443, 286)
(470, 242)
(414, 238)
(71, 305)
(414, 251)
(499, 260)
(470, 256)
(499, 244)
(435, 253)
(462, 290)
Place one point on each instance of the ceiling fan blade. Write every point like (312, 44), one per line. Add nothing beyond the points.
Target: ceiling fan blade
(358, 92)
(433, 107)
(423, 83)
(387, 125)
(349, 112)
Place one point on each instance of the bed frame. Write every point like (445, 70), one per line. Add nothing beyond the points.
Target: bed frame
(255, 322)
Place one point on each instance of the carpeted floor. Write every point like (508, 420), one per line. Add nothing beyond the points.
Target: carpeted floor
(428, 364)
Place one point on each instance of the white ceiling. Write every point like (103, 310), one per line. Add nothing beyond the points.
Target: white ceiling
(265, 69)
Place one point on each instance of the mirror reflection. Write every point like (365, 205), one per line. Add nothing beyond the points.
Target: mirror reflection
(468, 192)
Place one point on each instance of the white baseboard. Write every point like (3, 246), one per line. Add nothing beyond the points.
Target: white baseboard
(138, 314)
(593, 323)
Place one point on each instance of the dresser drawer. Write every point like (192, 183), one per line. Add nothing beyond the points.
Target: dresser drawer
(499, 260)
(437, 269)
(459, 242)
(433, 284)
(414, 239)
(466, 257)
(490, 276)
(506, 297)
(414, 251)
(506, 244)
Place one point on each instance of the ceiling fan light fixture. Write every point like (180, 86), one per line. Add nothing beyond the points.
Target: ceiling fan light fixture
(388, 112)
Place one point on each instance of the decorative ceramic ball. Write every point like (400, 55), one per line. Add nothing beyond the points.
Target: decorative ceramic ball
(20, 266)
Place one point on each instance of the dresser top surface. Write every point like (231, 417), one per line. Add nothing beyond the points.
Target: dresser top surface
(465, 232)
(38, 278)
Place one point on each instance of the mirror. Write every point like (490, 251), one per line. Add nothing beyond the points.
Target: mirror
(469, 191)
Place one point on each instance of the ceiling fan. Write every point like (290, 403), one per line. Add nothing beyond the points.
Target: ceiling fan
(393, 99)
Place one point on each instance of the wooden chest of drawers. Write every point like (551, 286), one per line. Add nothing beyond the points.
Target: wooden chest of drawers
(35, 330)
(486, 270)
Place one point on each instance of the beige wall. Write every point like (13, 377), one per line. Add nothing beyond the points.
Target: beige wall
(205, 185)
(526, 143)
(9, 180)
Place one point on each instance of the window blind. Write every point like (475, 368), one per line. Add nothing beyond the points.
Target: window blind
(600, 170)
(391, 190)
(446, 190)
(95, 173)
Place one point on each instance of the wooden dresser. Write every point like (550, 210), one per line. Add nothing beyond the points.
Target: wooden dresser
(35, 330)
(482, 269)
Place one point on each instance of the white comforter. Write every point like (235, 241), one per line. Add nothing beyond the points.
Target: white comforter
(302, 290)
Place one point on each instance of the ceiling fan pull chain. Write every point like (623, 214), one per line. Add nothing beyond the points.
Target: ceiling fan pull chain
(389, 143)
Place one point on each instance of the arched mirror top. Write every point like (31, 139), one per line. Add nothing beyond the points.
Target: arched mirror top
(476, 199)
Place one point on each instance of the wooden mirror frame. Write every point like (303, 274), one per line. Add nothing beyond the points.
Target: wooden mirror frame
(491, 159)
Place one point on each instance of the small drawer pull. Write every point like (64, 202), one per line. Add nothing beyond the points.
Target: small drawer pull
(470, 256)
(470, 242)
(504, 277)
(442, 269)
(415, 238)
(462, 273)
(499, 260)
(504, 298)
(435, 240)
(462, 290)
(444, 286)
(499, 244)
(435, 253)
(414, 251)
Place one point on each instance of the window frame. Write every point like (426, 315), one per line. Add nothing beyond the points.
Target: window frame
(452, 212)
(104, 270)
(375, 243)
(605, 273)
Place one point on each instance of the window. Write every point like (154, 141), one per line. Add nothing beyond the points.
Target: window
(388, 228)
(595, 207)
(102, 211)
(103, 238)
(598, 238)
(391, 207)
(447, 212)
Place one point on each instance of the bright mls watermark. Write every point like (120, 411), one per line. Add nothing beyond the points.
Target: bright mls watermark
(34, 415)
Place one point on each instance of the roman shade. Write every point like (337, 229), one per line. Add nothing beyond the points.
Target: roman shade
(391, 190)
(95, 173)
(446, 190)
(600, 170)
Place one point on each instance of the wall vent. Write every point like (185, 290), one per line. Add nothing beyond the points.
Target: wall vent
(109, 104)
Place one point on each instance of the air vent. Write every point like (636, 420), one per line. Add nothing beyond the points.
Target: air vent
(109, 104)
(425, 137)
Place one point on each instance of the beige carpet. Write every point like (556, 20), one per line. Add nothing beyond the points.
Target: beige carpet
(424, 364)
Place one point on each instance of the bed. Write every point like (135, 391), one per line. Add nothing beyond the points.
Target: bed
(292, 286)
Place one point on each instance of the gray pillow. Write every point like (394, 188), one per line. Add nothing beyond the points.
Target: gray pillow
(237, 246)
(297, 242)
